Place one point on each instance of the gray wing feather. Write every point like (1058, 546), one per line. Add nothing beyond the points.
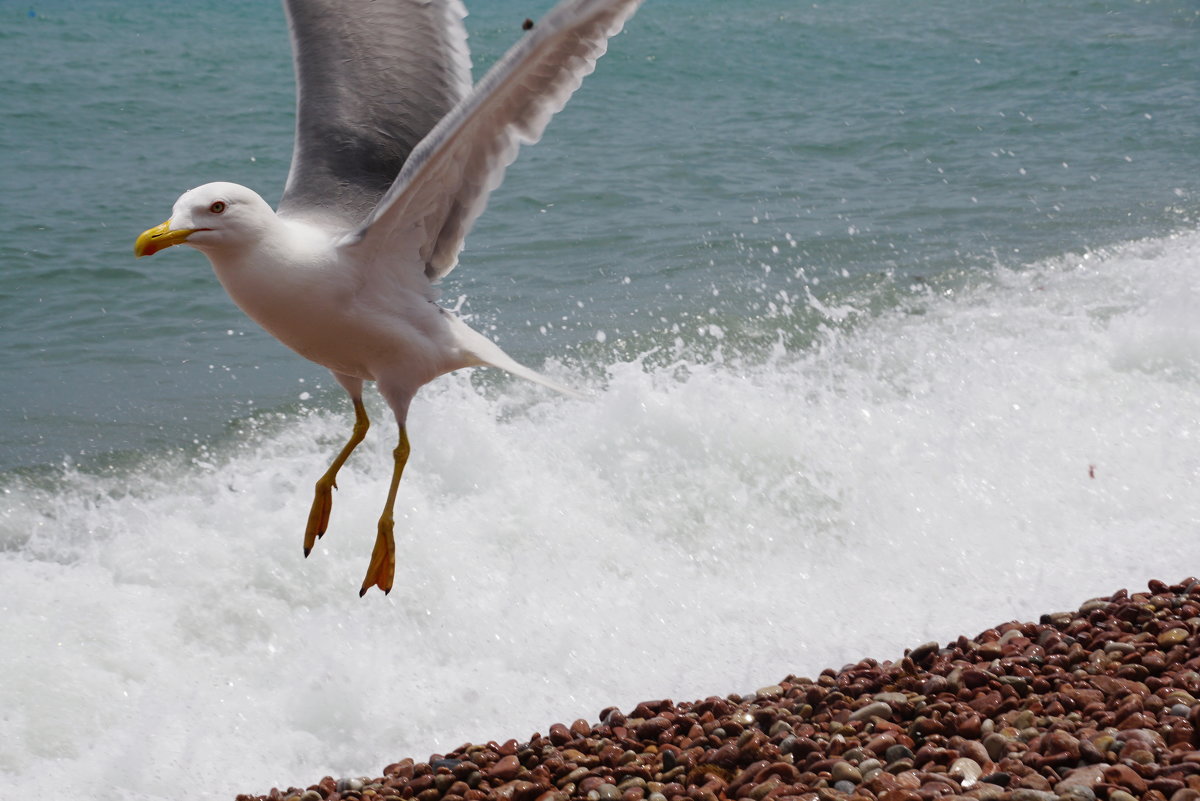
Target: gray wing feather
(373, 77)
(445, 183)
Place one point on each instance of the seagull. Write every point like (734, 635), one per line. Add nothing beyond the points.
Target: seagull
(395, 155)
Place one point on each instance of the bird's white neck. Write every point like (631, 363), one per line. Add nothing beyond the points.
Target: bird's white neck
(278, 275)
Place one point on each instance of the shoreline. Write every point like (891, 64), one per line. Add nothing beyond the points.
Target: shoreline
(1098, 703)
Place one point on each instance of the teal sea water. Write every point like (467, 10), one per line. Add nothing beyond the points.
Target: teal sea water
(887, 315)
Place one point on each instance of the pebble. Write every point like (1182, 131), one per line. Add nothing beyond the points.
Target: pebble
(999, 778)
(505, 769)
(1078, 793)
(892, 698)
(1026, 794)
(986, 792)
(844, 771)
(1126, 777)
(780, 726)
(1141, 756)
(1172, 637)
(876, 709)
(966, 770)
(996, 745)
(923, 652)
(1088, 776)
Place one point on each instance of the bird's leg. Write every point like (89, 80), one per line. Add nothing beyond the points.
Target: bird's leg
(318, 516)
(382, 569)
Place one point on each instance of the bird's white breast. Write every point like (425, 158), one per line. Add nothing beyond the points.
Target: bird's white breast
(315, 298)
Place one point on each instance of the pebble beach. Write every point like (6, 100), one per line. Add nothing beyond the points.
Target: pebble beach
(1096, 703)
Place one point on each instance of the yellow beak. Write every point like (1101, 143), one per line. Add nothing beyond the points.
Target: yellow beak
(159, 237)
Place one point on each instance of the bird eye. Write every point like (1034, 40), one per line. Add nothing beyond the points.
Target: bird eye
(217, 207)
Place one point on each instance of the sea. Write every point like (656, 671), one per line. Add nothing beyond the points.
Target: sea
(885, 316)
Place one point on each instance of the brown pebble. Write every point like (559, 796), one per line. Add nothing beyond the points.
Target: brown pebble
(505, 769)
(1086, 776)
(900, 794)
(653, 728)
(560, 735)
(1126, 777)
(518, 790)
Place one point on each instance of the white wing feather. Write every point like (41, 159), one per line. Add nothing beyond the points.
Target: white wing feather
(373, 78)
(445, 182)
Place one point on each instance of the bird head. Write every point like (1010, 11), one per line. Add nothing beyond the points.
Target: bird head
(209, 217)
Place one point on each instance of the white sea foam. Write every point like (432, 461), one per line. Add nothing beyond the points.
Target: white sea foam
(1011, 449)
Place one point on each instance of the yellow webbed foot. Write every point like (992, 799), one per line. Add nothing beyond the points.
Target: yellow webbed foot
(382, 570)
(318, 516)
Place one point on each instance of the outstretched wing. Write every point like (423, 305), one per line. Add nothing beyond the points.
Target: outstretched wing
(446, 181)
(373, 77)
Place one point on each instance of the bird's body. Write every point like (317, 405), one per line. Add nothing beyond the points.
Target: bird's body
(394, 158)
(322, 299)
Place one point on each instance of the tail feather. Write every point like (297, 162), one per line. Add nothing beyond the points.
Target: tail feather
(488, 353)
(521, 371)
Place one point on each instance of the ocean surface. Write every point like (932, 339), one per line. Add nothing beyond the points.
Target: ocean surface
(887, 316)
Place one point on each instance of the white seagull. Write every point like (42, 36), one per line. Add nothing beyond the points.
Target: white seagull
(394, 158)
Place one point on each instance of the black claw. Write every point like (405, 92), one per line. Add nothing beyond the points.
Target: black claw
(362, 592)
(307, 551)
